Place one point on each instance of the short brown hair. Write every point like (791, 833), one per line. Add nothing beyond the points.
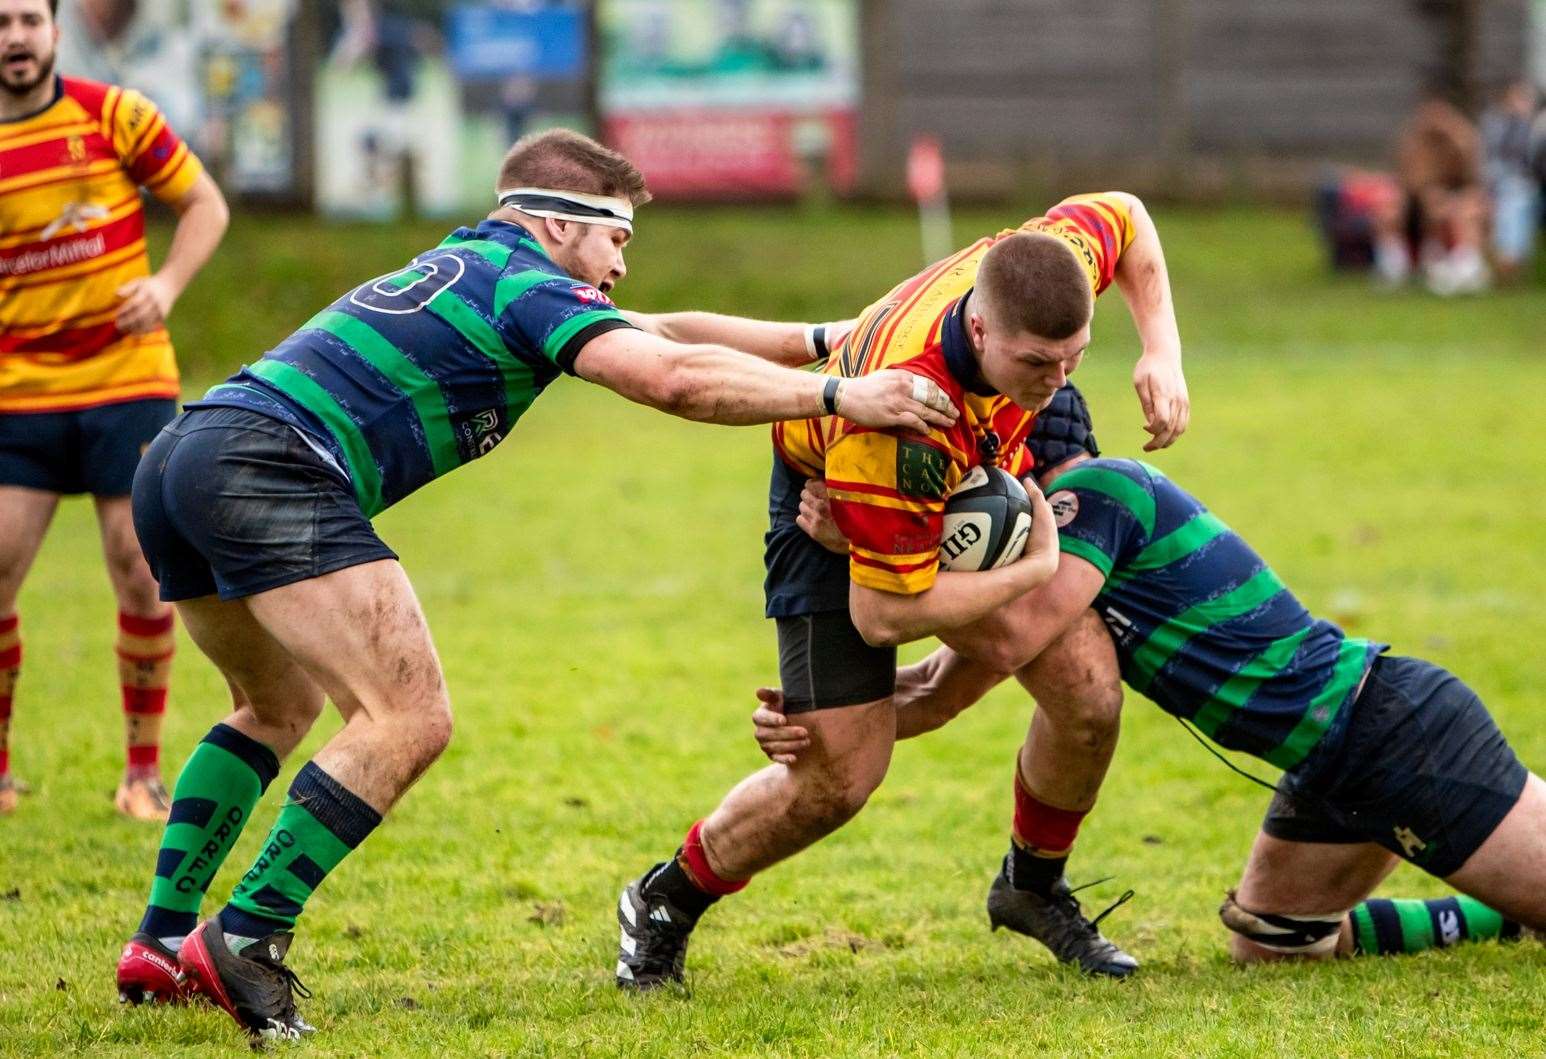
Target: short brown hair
(1035, 283)
(566, 161)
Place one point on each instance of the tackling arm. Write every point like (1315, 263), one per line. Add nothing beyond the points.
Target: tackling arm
(715, 384)
(955, 600)
(792, 345)
(1013, 635)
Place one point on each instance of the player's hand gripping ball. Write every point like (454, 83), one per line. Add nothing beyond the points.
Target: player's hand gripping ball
(987, 522)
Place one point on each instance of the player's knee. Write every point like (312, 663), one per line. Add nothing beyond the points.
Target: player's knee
(829, 809)
(1090, 714)
(1244, 953)
(1098, 717)
(834, 797)
(1256, 937)
(433, 731)
(856, 793)
(126, 563)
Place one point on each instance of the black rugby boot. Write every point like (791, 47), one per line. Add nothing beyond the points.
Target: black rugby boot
(1058, 923)
(653, 948)
(254, 988)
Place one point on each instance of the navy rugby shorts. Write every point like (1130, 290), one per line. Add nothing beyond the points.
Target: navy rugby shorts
(232, 502)
(823, 662)
(1421, 769)
(91, 450)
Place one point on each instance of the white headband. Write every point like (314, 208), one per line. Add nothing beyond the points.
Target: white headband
(571, 206)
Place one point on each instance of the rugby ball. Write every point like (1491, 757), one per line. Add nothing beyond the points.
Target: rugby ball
(987, 522)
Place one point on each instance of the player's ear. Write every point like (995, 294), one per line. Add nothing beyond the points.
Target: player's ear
(559, 230)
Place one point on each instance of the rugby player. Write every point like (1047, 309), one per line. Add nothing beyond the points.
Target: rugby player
(1386, 758)
(999, 325)
(254, 511)
(87, 374)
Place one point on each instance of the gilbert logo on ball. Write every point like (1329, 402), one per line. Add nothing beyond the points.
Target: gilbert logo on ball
(987, 522)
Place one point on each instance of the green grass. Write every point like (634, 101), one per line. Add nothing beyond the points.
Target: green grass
(595, 592)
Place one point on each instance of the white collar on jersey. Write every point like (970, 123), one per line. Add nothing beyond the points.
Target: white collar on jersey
(571, 206)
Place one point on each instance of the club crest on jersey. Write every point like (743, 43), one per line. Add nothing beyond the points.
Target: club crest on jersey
(920, 469)
(77, 215)
(484, 429)
(591, 295)
(1065, 506)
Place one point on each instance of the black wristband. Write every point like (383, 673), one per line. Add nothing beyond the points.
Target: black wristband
(829, 395)
(819, 340)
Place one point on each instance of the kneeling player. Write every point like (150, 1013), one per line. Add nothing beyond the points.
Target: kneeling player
(1386, 758)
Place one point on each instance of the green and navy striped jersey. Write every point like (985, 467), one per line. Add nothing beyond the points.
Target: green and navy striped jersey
(1201, 623)
(413, 374)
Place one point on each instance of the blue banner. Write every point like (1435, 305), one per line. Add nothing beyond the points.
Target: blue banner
(489, 41)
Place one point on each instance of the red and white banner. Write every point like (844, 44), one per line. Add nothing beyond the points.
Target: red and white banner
(690, 153)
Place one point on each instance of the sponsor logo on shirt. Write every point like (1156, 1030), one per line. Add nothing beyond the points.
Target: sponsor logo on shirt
(70, 252)
(1065, 506)
(77, 215)
(920, 469)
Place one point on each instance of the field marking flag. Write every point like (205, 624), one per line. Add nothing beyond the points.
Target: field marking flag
(926, 184)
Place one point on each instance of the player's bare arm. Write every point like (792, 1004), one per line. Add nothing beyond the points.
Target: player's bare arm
(929, 694)
(1145, 284)
(793, 345)
(957, 599)
(716, 384)
(202, 218)
(1015, 634)
(1007, 638)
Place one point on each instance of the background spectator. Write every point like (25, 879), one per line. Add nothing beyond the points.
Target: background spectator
(1511, 179)
(1439, 166)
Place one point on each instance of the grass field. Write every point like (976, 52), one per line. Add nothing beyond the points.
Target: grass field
(594, 588)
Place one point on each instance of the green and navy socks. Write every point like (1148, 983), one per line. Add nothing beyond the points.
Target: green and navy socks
(1382, 927)
(225, 776)
(317, 828)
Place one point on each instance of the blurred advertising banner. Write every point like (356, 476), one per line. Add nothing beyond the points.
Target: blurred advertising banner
(416, 103)
(1538, 46)
(732, 98)
(248, 105)
(219, 71)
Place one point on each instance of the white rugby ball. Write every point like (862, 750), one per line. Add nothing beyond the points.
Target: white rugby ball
(987, 522)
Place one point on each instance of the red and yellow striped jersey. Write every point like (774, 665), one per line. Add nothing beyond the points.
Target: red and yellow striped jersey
(888, 488)
(72, 231)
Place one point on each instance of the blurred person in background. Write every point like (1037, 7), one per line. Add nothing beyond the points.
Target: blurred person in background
(1443, 221)
(87, 376)
(1512, 159)
(147, 45)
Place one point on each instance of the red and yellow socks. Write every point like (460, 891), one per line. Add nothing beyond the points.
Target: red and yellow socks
(145, 648)
(1040, 841)
(10, 669)
(687, 880)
